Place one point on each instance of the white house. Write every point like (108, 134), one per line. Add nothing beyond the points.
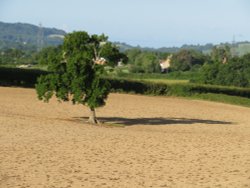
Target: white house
(165, 64)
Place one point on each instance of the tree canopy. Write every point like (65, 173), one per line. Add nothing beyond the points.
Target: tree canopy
(75, 73)
(184, 60)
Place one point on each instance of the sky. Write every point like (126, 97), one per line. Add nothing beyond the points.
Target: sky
(148, 23)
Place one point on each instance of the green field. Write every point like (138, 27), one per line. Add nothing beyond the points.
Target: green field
(165, 81)
(235, 100)
(183, 80)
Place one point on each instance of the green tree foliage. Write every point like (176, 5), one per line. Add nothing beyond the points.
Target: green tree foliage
(220, 53)
(234, 73)
(113, 55)
(246, 62)
(184, 60)
(144, 61)
(74, 75)
(9, 56)
(17, 56)
(46, 55)
(148, 62)
(132, 54)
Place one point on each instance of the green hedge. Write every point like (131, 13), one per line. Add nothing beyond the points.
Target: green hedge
(233, 91)
(28, 77)
(179, 89)
(19, 77)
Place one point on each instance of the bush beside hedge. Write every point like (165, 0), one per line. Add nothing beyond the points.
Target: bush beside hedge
(28, 77)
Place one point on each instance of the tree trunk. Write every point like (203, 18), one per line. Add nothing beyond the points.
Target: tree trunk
(92, 117)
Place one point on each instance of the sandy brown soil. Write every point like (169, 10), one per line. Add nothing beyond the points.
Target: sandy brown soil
(167, 142)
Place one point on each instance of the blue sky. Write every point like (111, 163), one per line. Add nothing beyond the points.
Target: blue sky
(152, 23)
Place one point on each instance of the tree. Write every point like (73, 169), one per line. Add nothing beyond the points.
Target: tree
(113, 55)
(44, 56)
(231, 74)
(148, 62)
(75, 74)
(184, 60)
(144, 61)
(221, 53)
(132, 54)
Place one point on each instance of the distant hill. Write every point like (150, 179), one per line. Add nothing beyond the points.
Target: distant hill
(203, 48)
(22, 35)
(28, 36)
(239, 48)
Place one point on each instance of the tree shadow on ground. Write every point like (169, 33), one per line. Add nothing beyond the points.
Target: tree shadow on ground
(154, 121)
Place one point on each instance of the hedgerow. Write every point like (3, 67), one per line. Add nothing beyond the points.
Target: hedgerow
(28, 78)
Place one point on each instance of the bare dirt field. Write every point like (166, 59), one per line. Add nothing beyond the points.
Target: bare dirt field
(167, 142)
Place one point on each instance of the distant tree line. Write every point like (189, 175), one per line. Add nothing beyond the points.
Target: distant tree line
(236, 72)
(14, 56)
(149, 62)
(220, 67)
